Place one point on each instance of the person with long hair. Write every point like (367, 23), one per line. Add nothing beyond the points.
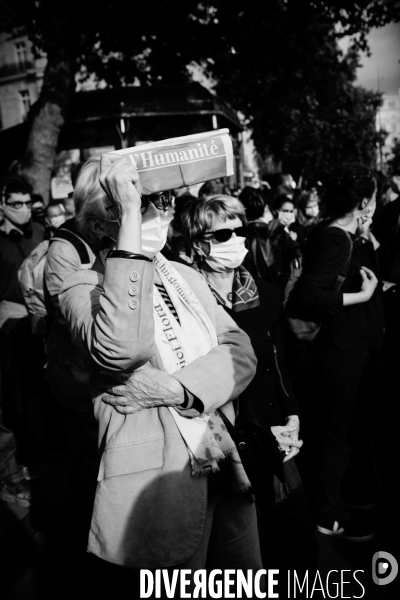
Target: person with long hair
(352, 326)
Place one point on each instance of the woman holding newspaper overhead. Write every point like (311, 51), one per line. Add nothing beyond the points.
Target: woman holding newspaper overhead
(164, 358)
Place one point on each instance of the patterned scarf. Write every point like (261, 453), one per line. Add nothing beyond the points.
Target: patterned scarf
(244, 291)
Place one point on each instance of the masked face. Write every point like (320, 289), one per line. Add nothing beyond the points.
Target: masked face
(18, 208)
(286, 214)
(227, 255)
(312, 211)
(154, 230)
(56, 221)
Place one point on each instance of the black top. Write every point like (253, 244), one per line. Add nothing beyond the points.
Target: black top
(355, 327)
(14, 248)
(271, 250)
(269, 397)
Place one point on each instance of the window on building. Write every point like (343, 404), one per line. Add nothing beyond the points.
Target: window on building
(25, 103)
(22, 53)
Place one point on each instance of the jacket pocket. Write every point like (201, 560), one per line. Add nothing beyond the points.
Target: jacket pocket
(131, 457)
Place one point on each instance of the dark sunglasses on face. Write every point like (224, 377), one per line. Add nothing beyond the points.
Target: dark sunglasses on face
(160, 200)
(19, 205)
(223, 235)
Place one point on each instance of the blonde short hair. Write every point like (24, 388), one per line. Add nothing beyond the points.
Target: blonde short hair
(89, 198)
(197, 216)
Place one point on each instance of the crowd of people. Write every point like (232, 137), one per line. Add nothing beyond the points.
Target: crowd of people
(157, 338)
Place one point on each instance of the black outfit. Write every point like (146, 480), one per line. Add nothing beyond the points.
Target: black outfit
(271, 250)
(22, 355)
(267, 401)
(341, 348)
(14, 248)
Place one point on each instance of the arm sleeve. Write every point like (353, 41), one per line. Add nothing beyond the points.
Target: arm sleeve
(288, 400)
(223, 373)
(113, 322)
(313, 296)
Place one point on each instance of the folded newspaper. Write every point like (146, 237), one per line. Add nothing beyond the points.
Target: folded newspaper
(182, 161)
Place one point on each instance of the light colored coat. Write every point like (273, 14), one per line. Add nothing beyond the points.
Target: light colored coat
(149, 511)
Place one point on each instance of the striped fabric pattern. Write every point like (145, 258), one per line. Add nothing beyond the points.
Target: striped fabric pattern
(167, 299)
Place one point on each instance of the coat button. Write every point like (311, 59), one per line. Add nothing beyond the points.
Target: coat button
(133, 290)
(134, 276)
(133, 304)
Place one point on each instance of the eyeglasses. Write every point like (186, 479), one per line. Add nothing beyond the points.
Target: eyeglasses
(19, 205)
(223, 235)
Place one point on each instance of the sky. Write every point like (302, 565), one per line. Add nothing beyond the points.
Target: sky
(383, 64)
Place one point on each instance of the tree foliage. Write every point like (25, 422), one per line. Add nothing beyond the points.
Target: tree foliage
(277, 61)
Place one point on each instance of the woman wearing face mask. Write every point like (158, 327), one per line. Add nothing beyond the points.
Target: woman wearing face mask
(352, 327)
(55, 216)
(213, 227)
(163, 356)
(307, 216)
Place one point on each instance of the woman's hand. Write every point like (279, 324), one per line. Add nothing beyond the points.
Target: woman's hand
(120, 180)
(287, 436)
(369, 283)
(144, 388)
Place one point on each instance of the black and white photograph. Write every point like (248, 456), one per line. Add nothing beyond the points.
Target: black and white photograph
(199, 311)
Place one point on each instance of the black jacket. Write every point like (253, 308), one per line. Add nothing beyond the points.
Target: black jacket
(269, 398)
(355, 327)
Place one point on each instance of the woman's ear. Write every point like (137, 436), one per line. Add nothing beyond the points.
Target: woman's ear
(97, 227)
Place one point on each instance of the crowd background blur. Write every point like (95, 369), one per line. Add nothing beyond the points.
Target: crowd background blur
(45, 408)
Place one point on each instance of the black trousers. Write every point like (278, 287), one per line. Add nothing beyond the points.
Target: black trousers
(341, 374)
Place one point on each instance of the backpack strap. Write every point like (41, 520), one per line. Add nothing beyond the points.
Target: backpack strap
(74, 239)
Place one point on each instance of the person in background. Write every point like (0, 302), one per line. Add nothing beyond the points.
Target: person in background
(67, 372)
(271, 247)
(352, 327)
(176, 247)
(214, 228)
(22, 356)
(216, 186)
(307, 216)
(38, 209)
(69, 205)
(55, 216)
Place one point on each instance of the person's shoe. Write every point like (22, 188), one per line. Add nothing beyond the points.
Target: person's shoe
(16, 492)
(347, 529)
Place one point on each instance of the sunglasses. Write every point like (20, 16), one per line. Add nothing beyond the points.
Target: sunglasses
(161, 201)
(223, 235)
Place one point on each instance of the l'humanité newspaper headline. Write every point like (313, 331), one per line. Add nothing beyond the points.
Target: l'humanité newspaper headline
(182, 161)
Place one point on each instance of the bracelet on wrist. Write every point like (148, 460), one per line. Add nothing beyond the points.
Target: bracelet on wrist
(129, 255)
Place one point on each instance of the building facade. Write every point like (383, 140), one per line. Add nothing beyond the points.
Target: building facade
(388, 120)
(21, 76)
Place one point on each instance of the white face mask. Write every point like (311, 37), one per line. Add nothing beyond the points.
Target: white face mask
(312, 212)
(154, 230)
(55, 222)
(227, 255)
(18, 216)
(287, 218)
